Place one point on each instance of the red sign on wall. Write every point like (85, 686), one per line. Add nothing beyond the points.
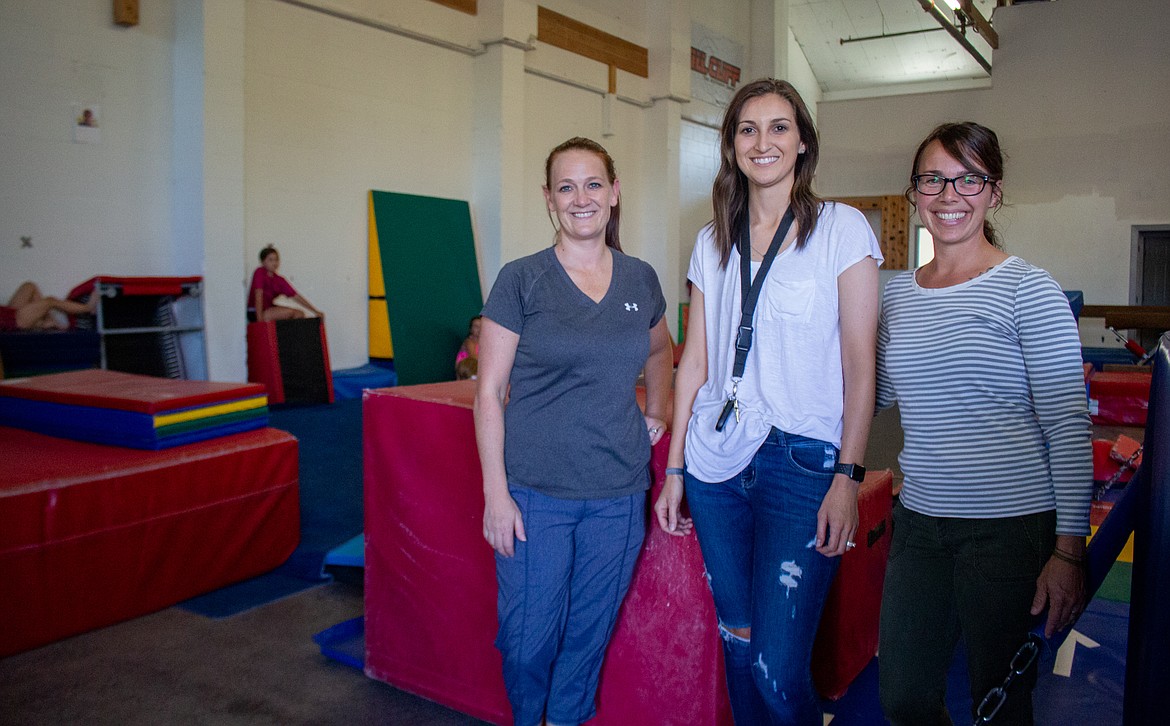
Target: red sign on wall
(717, 70)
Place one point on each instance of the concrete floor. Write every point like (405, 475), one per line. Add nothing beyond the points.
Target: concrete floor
(176, 667)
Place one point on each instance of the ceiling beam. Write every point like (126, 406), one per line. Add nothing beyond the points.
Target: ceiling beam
(943, 20)
(980, 23)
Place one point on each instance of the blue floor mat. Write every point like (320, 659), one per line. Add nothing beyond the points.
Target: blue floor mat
(1089, 695)
(345, 643)
(350, 382)
(348, 554)
(330, 446)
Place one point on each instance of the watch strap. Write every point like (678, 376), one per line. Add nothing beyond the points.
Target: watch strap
(856, 472)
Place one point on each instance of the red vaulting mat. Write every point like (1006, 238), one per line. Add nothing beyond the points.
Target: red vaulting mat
(91, 535)
(431, 587)
(126, 391)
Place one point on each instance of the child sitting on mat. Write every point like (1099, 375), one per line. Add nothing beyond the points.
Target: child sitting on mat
(266, 285)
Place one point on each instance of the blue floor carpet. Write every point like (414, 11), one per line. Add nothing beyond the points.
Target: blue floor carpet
(1080, 683)
(330, 447)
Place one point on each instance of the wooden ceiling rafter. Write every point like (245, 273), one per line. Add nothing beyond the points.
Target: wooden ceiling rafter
(471, 7)
(574, 36)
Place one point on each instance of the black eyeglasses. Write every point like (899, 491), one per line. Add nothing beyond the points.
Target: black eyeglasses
(967, 185)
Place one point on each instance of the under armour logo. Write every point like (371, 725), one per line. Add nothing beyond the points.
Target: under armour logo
(631, 306)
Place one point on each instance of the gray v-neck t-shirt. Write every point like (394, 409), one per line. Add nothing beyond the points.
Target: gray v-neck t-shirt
(572, 425)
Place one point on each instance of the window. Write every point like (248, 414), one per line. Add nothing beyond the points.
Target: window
(923, 246)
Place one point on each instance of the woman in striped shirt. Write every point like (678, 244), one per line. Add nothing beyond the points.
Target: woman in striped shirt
(981, 353)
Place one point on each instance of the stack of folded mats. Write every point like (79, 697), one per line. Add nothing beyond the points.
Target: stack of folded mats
(125, 409)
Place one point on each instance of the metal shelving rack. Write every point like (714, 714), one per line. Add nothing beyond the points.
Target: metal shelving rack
(152, 326)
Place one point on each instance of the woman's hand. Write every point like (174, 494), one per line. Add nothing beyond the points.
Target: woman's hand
(655, 427)
(502, 524)
(666, 508)
(1061, 586)
(837, 517)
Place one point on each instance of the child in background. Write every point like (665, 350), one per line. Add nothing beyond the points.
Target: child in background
(266, 285)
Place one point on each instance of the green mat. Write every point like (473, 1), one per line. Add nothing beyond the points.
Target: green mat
(432, 281)
(1116, 585)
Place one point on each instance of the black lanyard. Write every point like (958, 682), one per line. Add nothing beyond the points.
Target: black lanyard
(749, 291)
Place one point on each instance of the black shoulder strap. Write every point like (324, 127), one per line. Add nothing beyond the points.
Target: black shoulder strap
(750, 289)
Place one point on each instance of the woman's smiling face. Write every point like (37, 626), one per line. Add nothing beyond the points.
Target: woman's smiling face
(950, 217)
(767, 141)
(580, 194)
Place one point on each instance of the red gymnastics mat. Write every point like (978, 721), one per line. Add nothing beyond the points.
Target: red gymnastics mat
(431, 586)
(92, 535)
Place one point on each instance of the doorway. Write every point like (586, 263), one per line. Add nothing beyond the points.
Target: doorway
(1149, 281)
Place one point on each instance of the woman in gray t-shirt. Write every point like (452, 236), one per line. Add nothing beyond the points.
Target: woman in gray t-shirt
(563, 445)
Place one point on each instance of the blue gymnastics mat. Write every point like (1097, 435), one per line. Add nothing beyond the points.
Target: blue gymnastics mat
(351, 553)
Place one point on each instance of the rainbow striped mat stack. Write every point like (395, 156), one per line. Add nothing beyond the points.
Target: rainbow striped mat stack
(135, 411)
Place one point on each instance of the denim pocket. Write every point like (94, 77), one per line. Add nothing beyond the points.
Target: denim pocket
(817, 459)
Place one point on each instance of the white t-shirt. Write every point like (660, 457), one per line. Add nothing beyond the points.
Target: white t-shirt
(793, 378)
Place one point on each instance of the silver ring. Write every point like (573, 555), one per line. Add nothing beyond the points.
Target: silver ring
(850, 544)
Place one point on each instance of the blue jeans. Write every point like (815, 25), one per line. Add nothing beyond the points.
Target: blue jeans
(559, 597)
(757, 532)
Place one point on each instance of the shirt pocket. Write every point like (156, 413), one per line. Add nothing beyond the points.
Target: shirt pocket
(788, 300)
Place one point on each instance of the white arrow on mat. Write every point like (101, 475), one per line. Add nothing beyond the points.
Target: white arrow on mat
(1066, 652)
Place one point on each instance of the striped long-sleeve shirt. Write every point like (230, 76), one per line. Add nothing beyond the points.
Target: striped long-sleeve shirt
(987, 376)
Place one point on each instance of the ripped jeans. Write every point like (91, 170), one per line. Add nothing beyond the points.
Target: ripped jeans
(757, 532)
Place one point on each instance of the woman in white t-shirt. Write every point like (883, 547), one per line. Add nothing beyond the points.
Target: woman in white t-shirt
(773, 455)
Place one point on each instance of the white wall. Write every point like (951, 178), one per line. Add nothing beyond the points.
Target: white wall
(303, 113)
(90, 209)
(1079, 101)
(334, 109)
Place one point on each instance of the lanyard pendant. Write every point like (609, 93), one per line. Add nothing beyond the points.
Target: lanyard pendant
(732, 405)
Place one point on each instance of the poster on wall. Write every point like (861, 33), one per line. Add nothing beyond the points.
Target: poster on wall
(87, 123)
(716, 65)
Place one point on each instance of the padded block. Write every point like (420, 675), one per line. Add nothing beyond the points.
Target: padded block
(291, 359)
(126, 391)
(92, 535)
(431, 588)
(1119, 398)
(847, 639)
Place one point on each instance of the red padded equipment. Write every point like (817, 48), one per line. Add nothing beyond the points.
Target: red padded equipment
(847, 639)
(290, 358)
(431, 587)
(92, 535)
(1119, 398)
(126, 391)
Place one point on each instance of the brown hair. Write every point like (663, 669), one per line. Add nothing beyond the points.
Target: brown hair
(269, 250)
(977, 147)
(729, 193)
(580, 143)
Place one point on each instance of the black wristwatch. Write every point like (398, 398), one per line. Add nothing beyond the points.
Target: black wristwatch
(856, 472)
